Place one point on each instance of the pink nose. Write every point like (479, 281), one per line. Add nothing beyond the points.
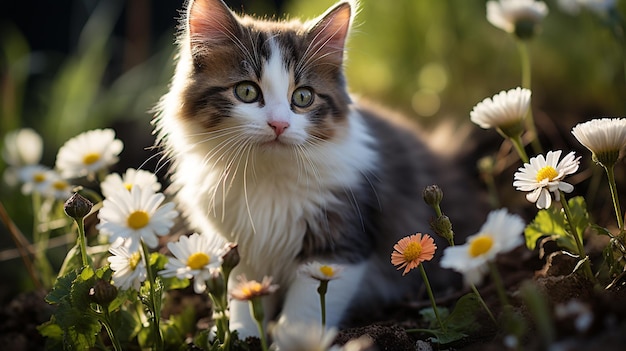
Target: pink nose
(278, 126)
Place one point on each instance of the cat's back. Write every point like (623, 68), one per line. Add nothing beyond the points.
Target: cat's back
(406, 165)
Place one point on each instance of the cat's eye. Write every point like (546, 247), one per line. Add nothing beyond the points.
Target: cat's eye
(302, 97)
(247, 92)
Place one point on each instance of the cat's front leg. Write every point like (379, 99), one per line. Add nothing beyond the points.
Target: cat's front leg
(302, 303)
(241, 320)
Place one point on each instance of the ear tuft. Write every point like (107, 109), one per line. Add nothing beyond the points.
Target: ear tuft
(328, 35)
(210, 21)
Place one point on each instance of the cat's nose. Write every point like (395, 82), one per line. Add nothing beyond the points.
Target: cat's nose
(278, 126)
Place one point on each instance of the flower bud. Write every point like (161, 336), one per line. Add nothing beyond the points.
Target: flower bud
(77, 206)
(526, 29)
(231, 257)
(215, 284)
(443, 227)
(103, 293)
(433, 195)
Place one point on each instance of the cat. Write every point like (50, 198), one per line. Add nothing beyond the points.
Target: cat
(269, 150)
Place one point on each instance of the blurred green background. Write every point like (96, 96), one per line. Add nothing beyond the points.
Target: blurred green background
(67, 66)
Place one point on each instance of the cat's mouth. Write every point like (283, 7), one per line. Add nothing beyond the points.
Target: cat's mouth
(276, 142)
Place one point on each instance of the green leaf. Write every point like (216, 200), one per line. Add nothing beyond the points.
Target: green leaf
(446, 337)
(184, 323)
(158, 261)
(73, 315)
(50, 330)
(601, 230)
(463, 317)
(459, 323)
(81, 286)
(428, 314)
(62, 287)
(552, 223)
(80, 327)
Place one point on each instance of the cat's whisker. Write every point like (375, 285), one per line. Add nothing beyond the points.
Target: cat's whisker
(222, 129)
(311, 60)
(161, 155)
(245, 190)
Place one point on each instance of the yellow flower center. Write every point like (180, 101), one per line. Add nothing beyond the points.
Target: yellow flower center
(198, 260)
(138, 219)
(134, 260)
(327, 271)
(547, 172)
(91, 158)
(39, 177)
(412, 251)
(252, 289)
(128, 186)
(480, 245)
(59, 185)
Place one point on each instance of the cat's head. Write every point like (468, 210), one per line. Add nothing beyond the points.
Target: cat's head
(269, 83)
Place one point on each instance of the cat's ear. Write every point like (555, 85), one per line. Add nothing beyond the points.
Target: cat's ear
(329, 33)
(211, 21)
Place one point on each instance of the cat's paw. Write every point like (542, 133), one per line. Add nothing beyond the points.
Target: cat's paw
(241, 321)
(244, 331)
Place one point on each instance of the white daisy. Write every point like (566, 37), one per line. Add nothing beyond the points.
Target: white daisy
(129, 268)
(500, 233)
(302, 337)
(34, 179)
(195, 257)
(321, 271)
(544, 175)
(22, 147)
(516, 16)
(505, 111)
(113, 182)
(58, 188)
(130, 216)
(604, 137)
(88, 153)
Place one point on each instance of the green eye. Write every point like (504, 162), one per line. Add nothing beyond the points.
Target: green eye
(302, 97)
(247, 92)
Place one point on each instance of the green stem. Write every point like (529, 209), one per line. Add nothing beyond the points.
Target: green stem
(431, 296)
(222, 333)
(509, 316)
(224, 311)
(525, 62)
(613, 186)
(526, 83)
(437, 209)
(483, 303)
(40, 241)
(519, 147)
(82, 241)
(158, 342)
(322, 289)
(256, 309)
(497, 281)
(107, 325)
(574, 232)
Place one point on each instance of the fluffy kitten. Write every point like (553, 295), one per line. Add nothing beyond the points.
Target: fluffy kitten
(269, 151)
